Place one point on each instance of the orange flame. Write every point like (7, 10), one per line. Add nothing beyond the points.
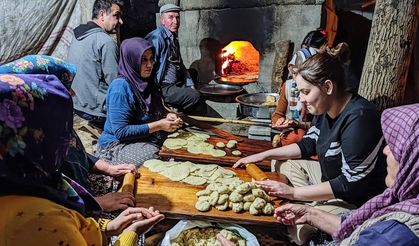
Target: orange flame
(239, 58)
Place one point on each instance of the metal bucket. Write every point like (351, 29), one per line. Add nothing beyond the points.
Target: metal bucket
(251, 105)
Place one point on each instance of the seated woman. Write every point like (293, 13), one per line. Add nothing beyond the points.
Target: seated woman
(391, 218)
(77, 165)
(290, 112)
(135, 126)
(39, 205)
(345, 134)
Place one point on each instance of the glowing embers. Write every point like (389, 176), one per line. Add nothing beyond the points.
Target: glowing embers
(240, 60)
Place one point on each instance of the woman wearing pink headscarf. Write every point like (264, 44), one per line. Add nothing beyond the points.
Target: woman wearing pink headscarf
(391, 218)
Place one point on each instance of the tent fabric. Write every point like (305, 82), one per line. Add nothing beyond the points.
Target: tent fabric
(38, 27)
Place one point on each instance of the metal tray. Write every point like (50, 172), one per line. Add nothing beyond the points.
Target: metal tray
(220, 90)
(234, 81)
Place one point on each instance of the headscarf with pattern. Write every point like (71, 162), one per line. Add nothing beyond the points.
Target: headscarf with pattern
(401, 131)
(129, 64)
(36, 123)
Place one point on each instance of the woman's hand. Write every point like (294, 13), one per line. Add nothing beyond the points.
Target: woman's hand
(121, 169)
(278, 122)
(223, 241)
(138, 220)
(170, 125)
(115, 201)
(286, 123)
(150, 217)
(104, 167)
(249, 159)
(293, 214)
(275, 188)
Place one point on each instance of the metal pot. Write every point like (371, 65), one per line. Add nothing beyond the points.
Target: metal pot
(251, 105)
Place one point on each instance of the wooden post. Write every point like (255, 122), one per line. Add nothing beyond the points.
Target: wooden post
(392, 38)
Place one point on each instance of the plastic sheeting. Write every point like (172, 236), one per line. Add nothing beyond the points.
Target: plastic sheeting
(39, 26)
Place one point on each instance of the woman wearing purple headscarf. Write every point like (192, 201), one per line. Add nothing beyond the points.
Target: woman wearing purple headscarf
(38, 204)
(391, 218)
(135, 126)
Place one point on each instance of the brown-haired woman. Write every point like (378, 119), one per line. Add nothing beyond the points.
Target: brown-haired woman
(345, 134)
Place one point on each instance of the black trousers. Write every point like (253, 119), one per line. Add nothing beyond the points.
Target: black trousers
(185, 99)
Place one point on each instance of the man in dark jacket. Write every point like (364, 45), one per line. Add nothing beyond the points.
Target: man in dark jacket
(95, 53)
(176, 85)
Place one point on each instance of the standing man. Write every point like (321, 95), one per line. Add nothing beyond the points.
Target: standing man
(95, 53)
(171, 75)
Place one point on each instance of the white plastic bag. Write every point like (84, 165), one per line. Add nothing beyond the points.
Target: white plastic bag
(189, 224)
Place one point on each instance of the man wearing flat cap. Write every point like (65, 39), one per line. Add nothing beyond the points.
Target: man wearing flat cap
(176, 85)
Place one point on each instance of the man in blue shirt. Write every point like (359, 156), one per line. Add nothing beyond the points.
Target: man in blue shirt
(171, 74)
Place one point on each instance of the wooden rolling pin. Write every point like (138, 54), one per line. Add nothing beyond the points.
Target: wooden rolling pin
(255, 172)
(128, 183)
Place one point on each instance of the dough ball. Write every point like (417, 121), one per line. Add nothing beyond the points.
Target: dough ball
(259, 193)
(235, 197)
(231, 144)
(268, 209)
(222, 207)
(236, 152)
(254, 211)
(203, 198)
(213, 199)
(246, 206)
(244, 188)
(223, 189)
(220, 144)
(222, 199)
(258, 203)
(237, 207)
(205, 192)
(249, 198)
(202, 206)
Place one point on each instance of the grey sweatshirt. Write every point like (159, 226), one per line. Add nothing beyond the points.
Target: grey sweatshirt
(96, 56)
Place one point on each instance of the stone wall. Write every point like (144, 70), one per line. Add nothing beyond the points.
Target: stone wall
(207, 26)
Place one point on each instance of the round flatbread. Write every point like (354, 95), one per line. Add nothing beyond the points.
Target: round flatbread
(218, 153)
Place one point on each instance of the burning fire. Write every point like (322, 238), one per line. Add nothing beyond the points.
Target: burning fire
(240, 58)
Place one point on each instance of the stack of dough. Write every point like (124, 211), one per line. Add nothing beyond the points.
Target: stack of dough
(191, 173)
(206, 237)
(237, 195)
(193, 142)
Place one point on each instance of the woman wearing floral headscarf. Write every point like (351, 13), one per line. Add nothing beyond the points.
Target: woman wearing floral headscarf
(38, 205)
(391, 218)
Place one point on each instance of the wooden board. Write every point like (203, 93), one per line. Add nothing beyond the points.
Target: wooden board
(176, 200)
(247, 147)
